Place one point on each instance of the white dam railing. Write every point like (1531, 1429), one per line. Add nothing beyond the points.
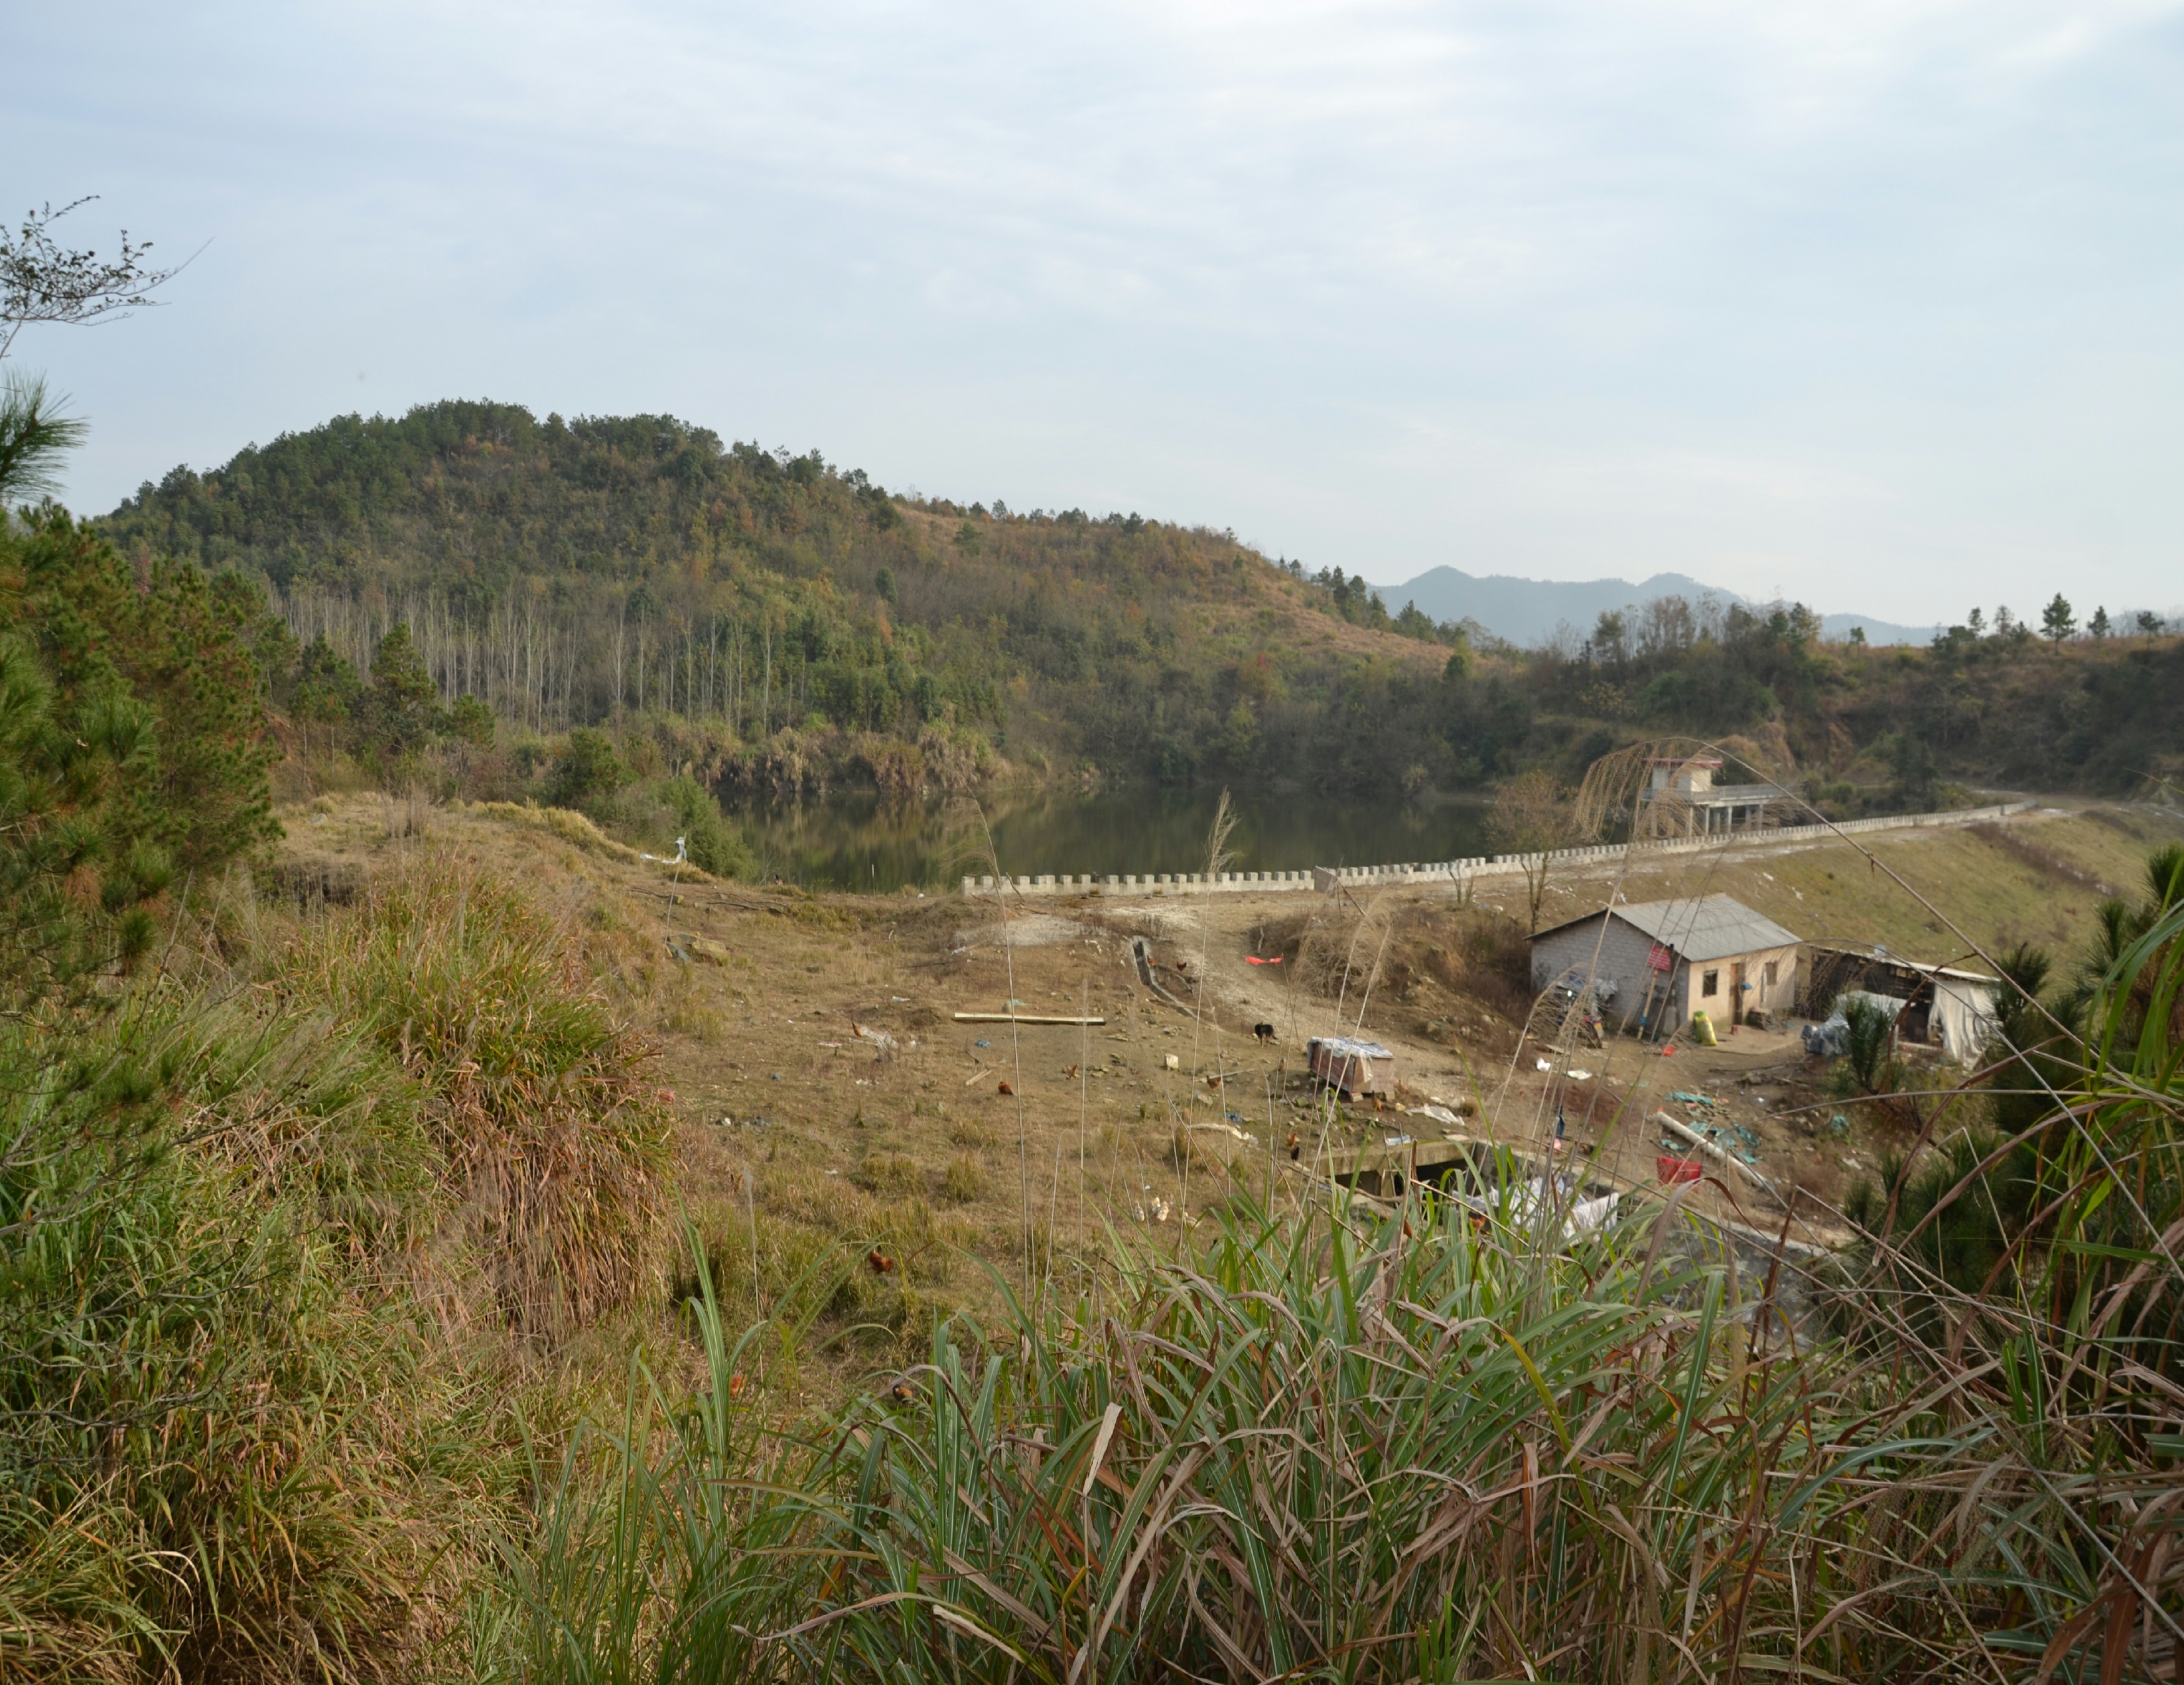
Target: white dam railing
(1465, 871)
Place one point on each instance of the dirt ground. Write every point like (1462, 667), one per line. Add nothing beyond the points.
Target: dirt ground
(823, 1083)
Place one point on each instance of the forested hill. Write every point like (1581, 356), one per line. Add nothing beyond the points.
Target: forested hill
(778, 622)
(556, 568)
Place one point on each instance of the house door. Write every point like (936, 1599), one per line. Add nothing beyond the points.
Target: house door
(1736, 991)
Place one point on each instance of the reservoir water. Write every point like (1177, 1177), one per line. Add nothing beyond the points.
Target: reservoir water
(854, 841)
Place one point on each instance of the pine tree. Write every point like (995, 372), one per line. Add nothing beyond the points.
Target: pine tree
(178, 651)
(2056, 620)
(404, 707)
(327, 688)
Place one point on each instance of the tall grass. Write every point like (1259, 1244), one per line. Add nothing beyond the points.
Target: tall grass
(1409, 1449)
(543, 1105)
(236, 1440)
(220, 1458)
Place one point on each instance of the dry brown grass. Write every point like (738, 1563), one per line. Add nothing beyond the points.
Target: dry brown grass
(964, 1181)
(547, 1110)
(1410, 951)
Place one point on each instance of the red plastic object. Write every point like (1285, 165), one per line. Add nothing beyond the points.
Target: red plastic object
(1678, 1169)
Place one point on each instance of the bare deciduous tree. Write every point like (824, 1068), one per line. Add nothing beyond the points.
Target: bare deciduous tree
(42, 280)
(1533, 816)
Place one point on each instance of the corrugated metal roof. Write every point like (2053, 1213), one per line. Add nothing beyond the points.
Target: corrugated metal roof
(1348, 1046)
(1881, 957)
(1710, 927)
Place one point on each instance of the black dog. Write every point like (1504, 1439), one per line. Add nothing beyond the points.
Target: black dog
(1265, 1032)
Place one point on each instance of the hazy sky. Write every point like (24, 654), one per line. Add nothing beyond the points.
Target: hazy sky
(1880, 303)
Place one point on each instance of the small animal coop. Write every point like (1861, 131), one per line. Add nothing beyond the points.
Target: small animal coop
(1354, 1067)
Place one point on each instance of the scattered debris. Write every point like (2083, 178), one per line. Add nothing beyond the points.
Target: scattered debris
(1698, 1139)
(1589, 1214)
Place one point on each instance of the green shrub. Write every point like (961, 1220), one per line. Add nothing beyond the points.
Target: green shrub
(1870, 1033)
(715, 844)
(585, 773)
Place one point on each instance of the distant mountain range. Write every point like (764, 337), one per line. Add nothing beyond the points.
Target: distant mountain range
(1526, 612)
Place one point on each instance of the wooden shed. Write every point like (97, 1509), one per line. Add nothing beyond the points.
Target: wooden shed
(1354, 1067)
(1944, 1007)
(1668, 959)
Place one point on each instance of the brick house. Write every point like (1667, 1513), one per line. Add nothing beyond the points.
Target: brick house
(1670, 958)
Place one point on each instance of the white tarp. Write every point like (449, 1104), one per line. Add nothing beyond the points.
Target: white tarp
(1964, 1018)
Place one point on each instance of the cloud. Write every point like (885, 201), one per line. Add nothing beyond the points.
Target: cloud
(1887, 284)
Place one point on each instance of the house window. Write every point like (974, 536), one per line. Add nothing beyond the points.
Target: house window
(1770, 973)
(1709, 982)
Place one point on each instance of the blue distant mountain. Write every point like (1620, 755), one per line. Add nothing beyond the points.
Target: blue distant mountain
(1527, 611)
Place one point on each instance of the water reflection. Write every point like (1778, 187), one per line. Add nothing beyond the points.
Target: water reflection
(852, 841)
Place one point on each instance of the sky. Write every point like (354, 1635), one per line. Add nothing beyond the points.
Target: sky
(1874, 303)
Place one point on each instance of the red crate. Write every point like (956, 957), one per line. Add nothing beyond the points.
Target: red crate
(1678, 1169)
